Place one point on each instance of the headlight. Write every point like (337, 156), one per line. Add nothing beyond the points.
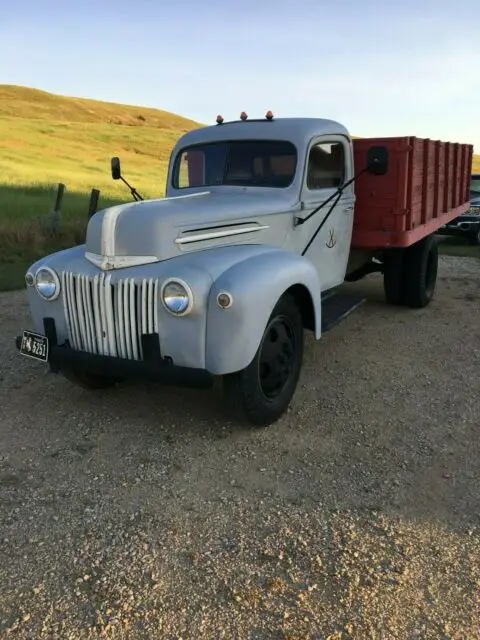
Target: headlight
(177, 297)
(47, 283)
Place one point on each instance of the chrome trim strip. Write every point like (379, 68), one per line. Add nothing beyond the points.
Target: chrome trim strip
(187, 195)
(107, 262)
(211, 235)
(126, 319)
(133, 325)
(110, 322)
(96, 311)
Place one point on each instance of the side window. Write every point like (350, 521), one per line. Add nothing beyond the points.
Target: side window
(326, 166)
(191, 169)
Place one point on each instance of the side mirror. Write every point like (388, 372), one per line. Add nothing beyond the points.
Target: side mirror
(116, 173)
(377, 161)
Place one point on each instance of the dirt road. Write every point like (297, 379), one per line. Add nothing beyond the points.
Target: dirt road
(141, 513)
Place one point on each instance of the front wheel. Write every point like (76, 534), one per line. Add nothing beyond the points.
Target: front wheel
(261, 392)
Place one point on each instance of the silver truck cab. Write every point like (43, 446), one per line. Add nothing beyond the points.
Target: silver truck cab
(219, 278)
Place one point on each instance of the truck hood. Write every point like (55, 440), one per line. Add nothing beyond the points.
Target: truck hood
(152, 230)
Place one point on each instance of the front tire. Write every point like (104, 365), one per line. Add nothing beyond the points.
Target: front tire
(261, 392)
(88, 380)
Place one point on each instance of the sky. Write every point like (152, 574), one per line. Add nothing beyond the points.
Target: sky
(381, 68)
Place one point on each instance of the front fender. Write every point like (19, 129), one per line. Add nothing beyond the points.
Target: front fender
(255, 284)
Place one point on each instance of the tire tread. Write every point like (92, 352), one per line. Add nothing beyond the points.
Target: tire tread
(242, 398)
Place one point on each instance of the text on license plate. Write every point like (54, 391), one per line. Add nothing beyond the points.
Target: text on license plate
(34, 345)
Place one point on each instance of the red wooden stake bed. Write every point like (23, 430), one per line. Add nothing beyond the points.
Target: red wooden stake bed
(427, 185)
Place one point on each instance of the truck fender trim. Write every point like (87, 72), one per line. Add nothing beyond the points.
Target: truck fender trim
(255, 286)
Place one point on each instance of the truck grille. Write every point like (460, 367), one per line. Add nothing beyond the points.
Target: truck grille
(106, 318)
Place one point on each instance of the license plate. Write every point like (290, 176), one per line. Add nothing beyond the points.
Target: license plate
(475, 210)
(34, 346)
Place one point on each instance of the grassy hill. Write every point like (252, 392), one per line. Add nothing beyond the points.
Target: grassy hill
(46, 139)
(24, 102)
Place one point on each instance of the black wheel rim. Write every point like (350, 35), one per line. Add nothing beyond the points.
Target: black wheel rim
(277, 357)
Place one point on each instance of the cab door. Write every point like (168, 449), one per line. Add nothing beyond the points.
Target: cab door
(326, 237)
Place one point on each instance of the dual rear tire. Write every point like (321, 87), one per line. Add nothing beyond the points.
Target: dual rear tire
(410, 275)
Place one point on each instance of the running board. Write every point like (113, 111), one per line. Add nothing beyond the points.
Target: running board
(337, 306)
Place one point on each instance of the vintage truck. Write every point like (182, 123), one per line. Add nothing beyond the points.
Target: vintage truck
(262, 223)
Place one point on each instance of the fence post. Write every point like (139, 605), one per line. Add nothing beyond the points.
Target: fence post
(92, 207)
(57, 207)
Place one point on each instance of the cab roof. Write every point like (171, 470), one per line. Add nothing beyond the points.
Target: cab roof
(297, 130)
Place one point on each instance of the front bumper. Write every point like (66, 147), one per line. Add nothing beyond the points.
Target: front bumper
(153, 367)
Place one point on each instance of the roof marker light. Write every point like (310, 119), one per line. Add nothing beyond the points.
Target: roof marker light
(243, 116)
(269, 115)
(219, 119)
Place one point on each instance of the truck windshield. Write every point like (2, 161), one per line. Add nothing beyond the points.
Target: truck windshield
(250, 163)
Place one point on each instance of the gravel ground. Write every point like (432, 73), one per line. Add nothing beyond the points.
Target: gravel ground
(140, 512)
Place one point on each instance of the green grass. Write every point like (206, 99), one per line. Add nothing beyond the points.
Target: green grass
(78, 154)
(26, 227)
(27, 103)
(46, 139)
(33, 203)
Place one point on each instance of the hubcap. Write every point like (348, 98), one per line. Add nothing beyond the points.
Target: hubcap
(277, 357)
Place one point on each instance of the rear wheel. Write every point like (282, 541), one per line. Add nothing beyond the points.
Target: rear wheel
(394, 276)
(410, 275)
(421, 267)
(261, 392)
(88, 380)
(475, 236)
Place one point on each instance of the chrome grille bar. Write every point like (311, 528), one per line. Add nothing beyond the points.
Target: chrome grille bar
(104, 318)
